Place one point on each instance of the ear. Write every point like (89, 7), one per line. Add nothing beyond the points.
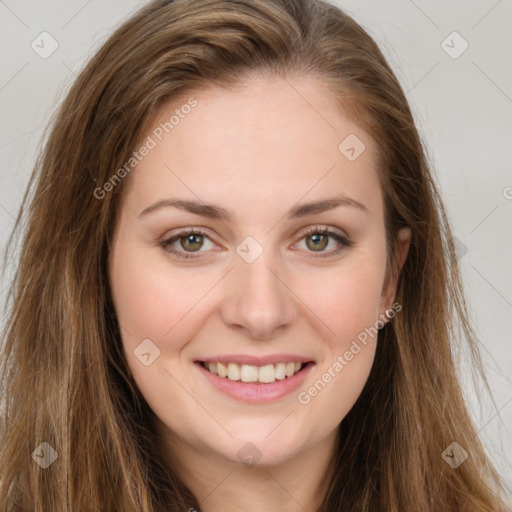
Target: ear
(389, 289)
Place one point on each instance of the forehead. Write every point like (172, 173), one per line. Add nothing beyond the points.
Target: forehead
(264, 144)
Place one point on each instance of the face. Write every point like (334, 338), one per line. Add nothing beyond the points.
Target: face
(269, 282)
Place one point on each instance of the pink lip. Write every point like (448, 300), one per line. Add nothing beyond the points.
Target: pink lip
(256, 361)
(256, 392)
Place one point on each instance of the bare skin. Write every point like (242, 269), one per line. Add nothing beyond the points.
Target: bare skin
(256, 151)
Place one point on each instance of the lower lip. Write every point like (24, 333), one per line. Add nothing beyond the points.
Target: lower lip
(256, 392)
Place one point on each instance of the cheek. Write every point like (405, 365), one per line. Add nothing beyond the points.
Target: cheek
(156, 303)
(151, 300)
(347, 305)
(345, 300)
(167, 306)
(337, 385)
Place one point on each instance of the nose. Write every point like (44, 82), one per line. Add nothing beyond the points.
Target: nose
(258, 299)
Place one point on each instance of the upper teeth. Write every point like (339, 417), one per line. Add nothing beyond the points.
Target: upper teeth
(249, 373)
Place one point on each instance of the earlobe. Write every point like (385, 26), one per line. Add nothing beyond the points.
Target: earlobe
(404, 242)
(404, 237)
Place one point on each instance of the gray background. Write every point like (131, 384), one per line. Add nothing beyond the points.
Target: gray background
(462, 102)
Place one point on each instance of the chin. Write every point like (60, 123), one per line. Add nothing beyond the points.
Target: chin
(259, 450)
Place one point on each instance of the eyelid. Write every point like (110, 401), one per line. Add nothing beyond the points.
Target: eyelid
(190, 230)
(332, 232)
(323, 227)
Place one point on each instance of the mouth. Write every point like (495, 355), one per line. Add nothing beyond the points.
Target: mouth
(258, 374)
(261, 383)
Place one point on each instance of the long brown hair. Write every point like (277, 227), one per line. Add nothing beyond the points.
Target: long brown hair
(64, 378)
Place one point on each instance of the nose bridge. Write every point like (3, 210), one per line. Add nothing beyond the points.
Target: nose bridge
(260, 302)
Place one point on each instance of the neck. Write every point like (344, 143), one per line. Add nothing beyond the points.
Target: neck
(297, 484)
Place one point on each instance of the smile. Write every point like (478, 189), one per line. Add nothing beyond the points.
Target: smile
(260, 383)
(264, 374)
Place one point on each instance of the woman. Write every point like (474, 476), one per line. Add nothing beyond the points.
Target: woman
(237, 286)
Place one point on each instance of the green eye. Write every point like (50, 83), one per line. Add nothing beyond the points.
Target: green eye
(318, 239)
(190, 242)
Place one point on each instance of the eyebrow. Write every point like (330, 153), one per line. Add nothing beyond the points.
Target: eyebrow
(216, 212)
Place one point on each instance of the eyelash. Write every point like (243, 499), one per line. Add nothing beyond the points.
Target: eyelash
(344, 241)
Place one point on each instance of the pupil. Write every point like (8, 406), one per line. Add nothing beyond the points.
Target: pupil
(190, 240)
(319, 241)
